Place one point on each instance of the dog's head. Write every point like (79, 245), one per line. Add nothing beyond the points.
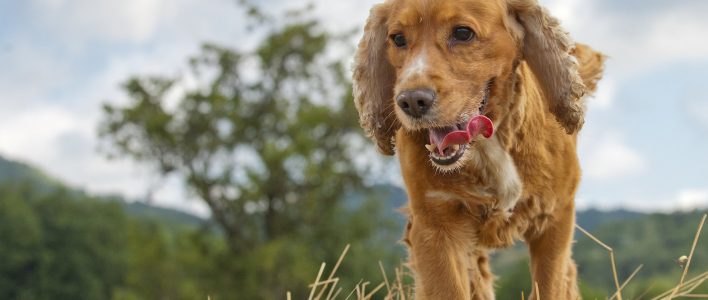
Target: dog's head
(445, 67)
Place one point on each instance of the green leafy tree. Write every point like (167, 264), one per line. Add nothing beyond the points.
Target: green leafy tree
(58, 244)
(171, 262)
(266, 138)
(20, 245)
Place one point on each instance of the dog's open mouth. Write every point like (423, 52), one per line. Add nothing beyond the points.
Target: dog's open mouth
(448, 144)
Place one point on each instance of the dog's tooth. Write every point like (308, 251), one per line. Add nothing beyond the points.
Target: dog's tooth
(455, 148)
(430, 148)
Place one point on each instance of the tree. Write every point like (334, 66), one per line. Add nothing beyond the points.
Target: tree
(266, 138)
(20, 244)
(58, 244)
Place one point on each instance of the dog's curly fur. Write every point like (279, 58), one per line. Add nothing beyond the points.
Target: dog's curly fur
(519, 183)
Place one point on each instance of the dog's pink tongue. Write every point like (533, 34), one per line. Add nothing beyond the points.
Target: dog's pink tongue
(477, 125)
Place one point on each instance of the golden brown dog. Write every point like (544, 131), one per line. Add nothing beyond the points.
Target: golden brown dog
(482, 101)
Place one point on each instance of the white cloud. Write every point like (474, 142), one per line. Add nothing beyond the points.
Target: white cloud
(60, 143)
(30, 134)
(678, 34)
(344, 15)
(611, 158)
(582, 203)
(604, 96)
(688, 199)
(637, 41)
(104, 20)
(566, 11)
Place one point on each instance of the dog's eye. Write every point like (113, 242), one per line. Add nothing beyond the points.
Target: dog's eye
(462, 34)
(399, 40)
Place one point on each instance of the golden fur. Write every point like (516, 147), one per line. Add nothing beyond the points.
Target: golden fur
(519, 183)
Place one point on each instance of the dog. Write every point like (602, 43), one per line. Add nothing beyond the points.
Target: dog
(482, 101)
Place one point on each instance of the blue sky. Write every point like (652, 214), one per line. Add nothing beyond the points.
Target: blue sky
(644, 145)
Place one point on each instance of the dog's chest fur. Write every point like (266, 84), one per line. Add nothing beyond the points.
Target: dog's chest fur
(500, 180)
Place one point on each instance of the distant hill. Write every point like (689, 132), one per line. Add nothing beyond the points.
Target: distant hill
(589, 219)
(14, 172)
(143, 210)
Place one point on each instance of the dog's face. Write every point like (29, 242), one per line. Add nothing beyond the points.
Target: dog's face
(448, 56)
(444, 68)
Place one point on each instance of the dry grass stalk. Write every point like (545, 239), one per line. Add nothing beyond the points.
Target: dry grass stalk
(399, 283)
(327, 289)
(339, 290)
(690, 256)
(396, 290)
(316, 283)
(356, 287)
(646, 291)
(538, 296)
(331, 278)
(685, 289)
(383, 273)
(612, 259)
(376, 289)
(361, 293)
(624, 284)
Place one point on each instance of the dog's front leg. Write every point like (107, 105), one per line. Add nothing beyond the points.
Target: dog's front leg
(440, 261)
(553, 270)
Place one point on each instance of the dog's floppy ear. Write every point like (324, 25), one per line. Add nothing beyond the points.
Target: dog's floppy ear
(374, 79)
(547, 49)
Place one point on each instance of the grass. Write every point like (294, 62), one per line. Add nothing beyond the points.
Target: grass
(327, 289)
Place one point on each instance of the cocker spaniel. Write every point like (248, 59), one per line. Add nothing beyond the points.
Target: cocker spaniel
(482, 101)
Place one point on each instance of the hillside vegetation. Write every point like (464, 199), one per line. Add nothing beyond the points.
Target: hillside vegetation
(60, 243)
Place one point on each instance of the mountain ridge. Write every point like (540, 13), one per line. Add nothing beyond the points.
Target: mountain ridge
(16, 172)
(12, 171)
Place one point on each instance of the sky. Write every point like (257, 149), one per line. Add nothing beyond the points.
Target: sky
(643, 147)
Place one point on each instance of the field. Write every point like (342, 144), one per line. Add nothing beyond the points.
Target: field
(399, 286)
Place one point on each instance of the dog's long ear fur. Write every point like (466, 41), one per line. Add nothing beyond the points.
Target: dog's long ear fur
(547, 49)
(374, 79)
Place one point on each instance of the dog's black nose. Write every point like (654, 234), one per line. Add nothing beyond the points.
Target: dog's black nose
(415, 103)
